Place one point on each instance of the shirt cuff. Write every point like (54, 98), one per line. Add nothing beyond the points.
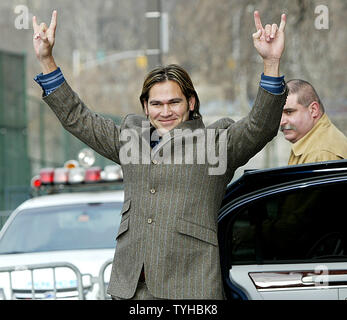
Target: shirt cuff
(274, 85)
(51, 81)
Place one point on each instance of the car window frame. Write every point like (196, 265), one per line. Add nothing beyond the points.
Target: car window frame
(234, 208)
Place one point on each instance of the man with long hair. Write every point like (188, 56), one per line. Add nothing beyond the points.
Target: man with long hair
(167, 245)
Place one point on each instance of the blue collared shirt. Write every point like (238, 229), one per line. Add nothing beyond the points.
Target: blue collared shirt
(51, 81)
(272, 84)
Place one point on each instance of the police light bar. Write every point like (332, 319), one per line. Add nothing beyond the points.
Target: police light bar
(111, 173)
(77, 172)
(60, 175)
(76, 175)
(47, 175)
(35, 182)
(93, 174)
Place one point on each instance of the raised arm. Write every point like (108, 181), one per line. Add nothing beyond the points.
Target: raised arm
(249, 135)
(100, 133)
(269, 42)
(43, 41)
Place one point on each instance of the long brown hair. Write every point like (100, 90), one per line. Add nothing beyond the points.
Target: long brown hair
(175, 73)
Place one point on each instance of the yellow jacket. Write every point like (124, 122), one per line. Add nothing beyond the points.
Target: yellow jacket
(323, 142)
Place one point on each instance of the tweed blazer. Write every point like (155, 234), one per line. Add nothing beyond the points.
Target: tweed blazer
(169, 216)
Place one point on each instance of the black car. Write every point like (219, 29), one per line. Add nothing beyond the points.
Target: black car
(283, 233)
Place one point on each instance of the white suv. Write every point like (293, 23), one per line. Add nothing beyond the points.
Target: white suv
(59, 230)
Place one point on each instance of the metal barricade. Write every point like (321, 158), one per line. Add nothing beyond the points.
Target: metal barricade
(52, 266)
(102, 288)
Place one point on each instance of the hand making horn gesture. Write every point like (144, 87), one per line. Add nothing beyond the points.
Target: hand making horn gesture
(43, 41)
(269, 41)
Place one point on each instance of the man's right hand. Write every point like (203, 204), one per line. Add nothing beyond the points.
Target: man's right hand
(43, 42)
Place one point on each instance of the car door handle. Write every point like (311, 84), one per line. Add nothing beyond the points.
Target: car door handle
(270, 280)
(341, 278)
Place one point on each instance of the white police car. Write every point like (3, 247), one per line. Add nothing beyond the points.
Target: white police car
(56, 245)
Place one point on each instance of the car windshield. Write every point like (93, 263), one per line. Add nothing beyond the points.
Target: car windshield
(73, 227)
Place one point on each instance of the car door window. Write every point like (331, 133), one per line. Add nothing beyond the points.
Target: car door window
(302, 225)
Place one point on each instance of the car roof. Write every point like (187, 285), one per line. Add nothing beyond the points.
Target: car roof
(253, 180)
(73, 198)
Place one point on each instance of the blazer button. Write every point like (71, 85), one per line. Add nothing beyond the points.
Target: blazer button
(152, 191)
(149, 221)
